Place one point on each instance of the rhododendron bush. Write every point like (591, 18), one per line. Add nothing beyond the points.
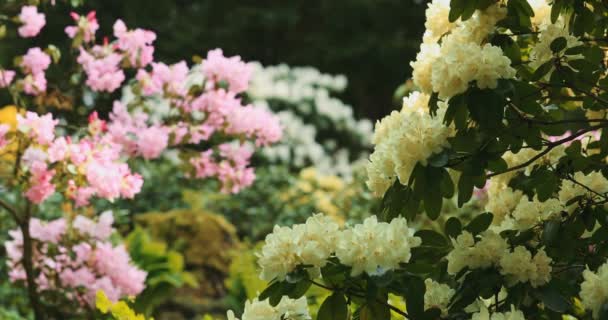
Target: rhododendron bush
(510, 105)
(55, 154)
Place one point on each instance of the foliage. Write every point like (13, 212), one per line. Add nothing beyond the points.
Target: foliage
(165, 270)
(117, 310)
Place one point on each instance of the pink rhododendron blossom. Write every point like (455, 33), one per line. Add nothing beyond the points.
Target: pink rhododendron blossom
(83, 261)
(35, 61)
(39, 128)
(232, 169)
(204, 165)
(233, 71)
(171, 79)
(34, 84)
(6, 77)
(137, 44)
(86, 26)
(41, 187)
(32, 21)
(102, 68)
(96, 125)
(4, 129)
(32, 155)
(47, 232)
(255, 123)
(152, 141)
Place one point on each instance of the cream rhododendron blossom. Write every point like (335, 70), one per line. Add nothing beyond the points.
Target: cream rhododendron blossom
(293, 309)
(404, 139)
(594, 289)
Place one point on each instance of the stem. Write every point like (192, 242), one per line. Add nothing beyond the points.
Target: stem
(10, 210)
(28, 265)
(550, 147)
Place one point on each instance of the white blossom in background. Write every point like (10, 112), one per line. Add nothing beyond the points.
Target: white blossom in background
(303, 98)
(286, 309)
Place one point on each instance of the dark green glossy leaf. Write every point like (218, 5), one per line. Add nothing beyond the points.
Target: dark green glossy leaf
(333, 308)
(480, 223)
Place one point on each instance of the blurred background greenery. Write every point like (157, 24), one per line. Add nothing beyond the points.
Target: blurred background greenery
(369, 41)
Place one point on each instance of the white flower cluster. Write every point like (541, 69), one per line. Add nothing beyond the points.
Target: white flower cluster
(303, 95)
(287, 309)
(437, 295)
(502, 200)
(594, 289)
(373, 247)
(460, 59)
(570, 189)
(484, 314)
(542, 52)
(492, 250)
(403, 139)
(529, 213)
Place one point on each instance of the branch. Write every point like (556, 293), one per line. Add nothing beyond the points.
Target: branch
(10, 210)
(550, 147)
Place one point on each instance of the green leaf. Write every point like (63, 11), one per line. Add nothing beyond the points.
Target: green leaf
(333, 308)
(453, 227)
(542, 71)
(558, 44)
(550, 232)
(447, 185)
(456, 9)
(439, 160)
(414, 297)
(553, 300)
(433, 200)
(480, 223)
(556, 10)
(433, 104)
(465, 189)
(486, 108)
(432, 238)
(300, 289)
(273, 293)
(399, 200)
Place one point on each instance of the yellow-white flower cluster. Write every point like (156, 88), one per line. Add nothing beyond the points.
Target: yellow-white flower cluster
(502, 200)
(594, 289)
(529, 213)
(542, 52)
(594, 181)
(484, 314)
(449, 67)
(372, 247)
(492, 250)
(542, 12)
(437, 295)
(310, 243)
(404, 139)
(376, 247)
(286, 309)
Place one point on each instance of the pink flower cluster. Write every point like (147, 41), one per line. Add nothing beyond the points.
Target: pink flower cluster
(34, 64)
(134, 135)
(32, 21)
(137, 44)
(102, 66)
(89, 167)
(164, 78)
(233, 71)
(86, 26)
(79, 263)
(232, 169)
(4, 129)
(6, 77)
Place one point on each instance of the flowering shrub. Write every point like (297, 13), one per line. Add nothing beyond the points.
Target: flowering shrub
(56, 155)
(510, 104)
(320, 130)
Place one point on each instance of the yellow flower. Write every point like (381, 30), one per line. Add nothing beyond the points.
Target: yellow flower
(120, 310)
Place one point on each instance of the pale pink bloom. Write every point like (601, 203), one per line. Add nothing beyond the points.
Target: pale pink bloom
(105, 179)
(32, 21)
(82, 196)
(40, 128)
(96, 125)
(591, 136)
(35, 61)
(131, 185)
(82, 277)
(102, 69)
(103, 284)
(47, 231)
(116, 263)
(83, 252)
(255, 123)
(137, 44)
(170, 79)
(100, 230)
(6, 77)
(179, 131)
(234, 72)
(58, 150)
(4, 129)
(40, 180)
(201, 133)
(204, 165)
(152, 141)
(85, 26)
(34, 84)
